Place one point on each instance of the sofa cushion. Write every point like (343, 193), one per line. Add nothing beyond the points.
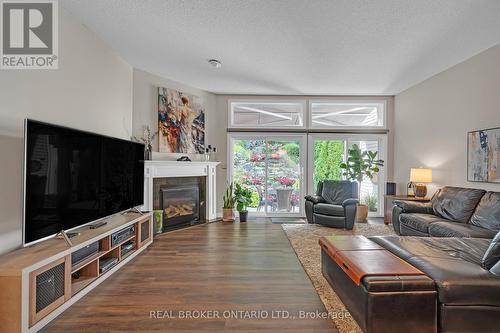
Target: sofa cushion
(414, 206)
(327, 209)
(419, 222)
(456, 203)
(454, 229)
(492, 254)
(487, 213)
(336, 191)
(453, 263)
(319, 188)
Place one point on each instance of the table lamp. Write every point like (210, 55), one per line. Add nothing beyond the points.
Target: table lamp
(418, 178)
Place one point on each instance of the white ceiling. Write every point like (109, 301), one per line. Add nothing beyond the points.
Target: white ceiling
(294, 46)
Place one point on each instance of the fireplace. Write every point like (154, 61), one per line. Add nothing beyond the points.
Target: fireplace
(179, 200)
(180, 205)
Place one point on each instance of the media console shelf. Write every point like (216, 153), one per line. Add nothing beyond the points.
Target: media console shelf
(39, 282)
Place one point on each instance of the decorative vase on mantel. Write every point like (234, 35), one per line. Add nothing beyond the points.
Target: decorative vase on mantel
(148, 153)
(147, 139)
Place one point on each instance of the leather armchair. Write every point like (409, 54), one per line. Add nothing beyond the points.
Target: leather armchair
(334, 204)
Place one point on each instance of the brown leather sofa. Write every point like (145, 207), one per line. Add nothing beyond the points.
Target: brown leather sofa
(466, 272)
(460, 291)
(452, 212)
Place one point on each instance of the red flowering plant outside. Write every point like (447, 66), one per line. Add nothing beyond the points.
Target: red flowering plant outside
(294, 199)
(271, 198)
(251, 180)
(257, 157)
(255, 181)
(285, 181)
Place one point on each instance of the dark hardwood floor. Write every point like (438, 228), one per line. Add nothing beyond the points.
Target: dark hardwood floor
(219, 267)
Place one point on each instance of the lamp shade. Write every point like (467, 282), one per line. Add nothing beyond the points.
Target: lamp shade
(420, 175)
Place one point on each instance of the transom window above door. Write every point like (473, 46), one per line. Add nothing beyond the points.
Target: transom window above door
(313, 114)
(338, 114)
(261, 114)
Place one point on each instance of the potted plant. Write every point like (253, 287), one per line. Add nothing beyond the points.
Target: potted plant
(361, 164)
(371, 201)
(284, 194)
(294, 200)
(228, 207)
(243, 198)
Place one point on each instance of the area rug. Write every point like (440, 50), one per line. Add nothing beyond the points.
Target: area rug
(304, 239)
(287, 220)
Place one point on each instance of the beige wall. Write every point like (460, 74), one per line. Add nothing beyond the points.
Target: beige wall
(145, 112)
(432, 120)
(91, 90)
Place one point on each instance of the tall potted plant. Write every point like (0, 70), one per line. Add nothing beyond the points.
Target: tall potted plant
(243, 198)
(228, 201)
(285, 192)
(361, 164)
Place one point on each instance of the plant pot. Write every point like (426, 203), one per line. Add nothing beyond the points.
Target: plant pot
(243, 216)
(158, 218)
(361, 213)
(228, 214)
(284, 195)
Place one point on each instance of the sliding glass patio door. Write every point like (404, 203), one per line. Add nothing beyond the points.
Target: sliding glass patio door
(272, 166)
(327, 151)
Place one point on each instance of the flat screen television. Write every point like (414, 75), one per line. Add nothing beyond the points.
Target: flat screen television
(73, 177)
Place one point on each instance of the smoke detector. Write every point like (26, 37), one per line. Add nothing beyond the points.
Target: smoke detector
(215, 63)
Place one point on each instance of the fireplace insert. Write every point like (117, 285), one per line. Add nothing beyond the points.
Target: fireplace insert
(180, 205)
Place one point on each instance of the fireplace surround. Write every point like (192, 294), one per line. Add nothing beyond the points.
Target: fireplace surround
(172, 180)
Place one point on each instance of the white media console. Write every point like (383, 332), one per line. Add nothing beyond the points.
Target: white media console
(39, 282)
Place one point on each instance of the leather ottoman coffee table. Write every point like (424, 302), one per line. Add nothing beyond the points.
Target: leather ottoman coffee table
(382, 292)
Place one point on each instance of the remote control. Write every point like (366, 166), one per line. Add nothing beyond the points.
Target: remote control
(97, 225)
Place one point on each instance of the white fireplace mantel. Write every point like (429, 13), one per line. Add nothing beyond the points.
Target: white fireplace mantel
(166, 169)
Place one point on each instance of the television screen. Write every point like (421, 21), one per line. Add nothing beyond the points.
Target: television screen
(74, 177)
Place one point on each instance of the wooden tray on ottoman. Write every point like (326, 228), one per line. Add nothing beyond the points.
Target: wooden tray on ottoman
(359, 257)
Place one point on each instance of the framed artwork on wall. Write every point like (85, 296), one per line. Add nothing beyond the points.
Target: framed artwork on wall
(483, 156)
(181, 122)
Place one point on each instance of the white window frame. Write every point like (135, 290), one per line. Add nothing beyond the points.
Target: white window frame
(302, 137)
(303, 102)
(382, 175)
(347, 101)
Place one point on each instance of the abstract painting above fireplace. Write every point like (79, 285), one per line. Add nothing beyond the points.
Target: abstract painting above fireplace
(181, 122)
